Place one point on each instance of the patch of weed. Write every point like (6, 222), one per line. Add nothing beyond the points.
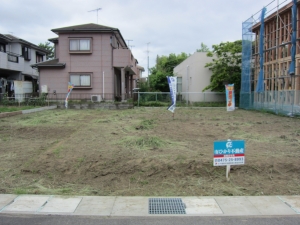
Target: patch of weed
(144, 142)
(4, 139)
(65, 190)
(20, 191)
(57, 151)
(180, 158)
(144, 182)
(80, 161)
(50, 176)
(102, 121)
(146, 124)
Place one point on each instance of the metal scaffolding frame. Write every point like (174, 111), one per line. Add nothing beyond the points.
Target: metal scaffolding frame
(277, 48)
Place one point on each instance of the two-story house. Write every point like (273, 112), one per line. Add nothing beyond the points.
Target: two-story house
(95, 59)
(16, 56)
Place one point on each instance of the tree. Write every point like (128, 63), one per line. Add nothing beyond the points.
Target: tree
(203, 48)
(163, 68)
(226, 68)
(47, 46)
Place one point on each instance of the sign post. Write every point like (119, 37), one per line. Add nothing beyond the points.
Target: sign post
(227, 153)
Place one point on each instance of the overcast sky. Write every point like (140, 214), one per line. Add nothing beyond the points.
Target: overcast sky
(171, 26)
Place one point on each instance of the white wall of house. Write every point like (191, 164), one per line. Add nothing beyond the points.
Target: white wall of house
(22, 65)
(5, 64)
(195, 77)
(27, 68)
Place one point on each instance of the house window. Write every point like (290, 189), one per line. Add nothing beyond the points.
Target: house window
(2, 47)
(80, 45)
(26, 53)
(80, 80)
(39, 57)
(179, 84)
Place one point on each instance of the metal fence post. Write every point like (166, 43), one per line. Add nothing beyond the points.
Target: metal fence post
(293, 101)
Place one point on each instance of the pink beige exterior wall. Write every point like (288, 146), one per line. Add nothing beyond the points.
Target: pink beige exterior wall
(97, 62)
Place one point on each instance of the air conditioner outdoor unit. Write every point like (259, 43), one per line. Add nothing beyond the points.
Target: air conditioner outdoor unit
(96, 98)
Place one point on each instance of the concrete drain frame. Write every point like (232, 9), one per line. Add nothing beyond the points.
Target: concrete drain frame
(166, 206)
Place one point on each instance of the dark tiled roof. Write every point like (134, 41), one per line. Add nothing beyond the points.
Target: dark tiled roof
(53, 40)
(22, 41)
(49, 63)
(90, 27)
(84, 27)
(5, 37)
(11, 36)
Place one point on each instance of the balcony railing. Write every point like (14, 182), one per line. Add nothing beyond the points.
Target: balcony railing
(12, 61)
(11, 57)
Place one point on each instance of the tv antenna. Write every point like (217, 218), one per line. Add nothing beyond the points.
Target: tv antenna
(128, 41)
(97, 12)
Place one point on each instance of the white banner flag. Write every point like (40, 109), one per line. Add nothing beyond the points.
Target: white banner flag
(173, 90)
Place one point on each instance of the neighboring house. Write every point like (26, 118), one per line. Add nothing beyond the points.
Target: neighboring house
(95, 59)
(139, 76)
(16, 56)
(193, 77)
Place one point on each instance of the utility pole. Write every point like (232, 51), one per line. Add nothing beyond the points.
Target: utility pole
(97, 12)
(148, 63)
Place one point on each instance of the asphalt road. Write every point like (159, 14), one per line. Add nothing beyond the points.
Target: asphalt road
(176, 220)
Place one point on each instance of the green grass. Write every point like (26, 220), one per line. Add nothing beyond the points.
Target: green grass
(20, 191)
(143, 142)
(57, 151)
(14, 108)
(147, 124)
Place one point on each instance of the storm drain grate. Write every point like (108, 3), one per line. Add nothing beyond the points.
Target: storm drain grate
(166, 206)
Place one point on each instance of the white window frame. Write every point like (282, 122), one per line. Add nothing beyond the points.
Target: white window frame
(81, 78)
(76, 45)
(179, 84)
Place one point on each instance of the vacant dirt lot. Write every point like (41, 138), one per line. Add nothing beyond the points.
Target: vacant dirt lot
(146, 152)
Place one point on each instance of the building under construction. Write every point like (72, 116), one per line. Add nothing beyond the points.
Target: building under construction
(271, 59)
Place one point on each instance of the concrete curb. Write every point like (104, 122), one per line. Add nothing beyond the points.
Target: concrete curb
(7, 114)
(114, 206)
(38, 109)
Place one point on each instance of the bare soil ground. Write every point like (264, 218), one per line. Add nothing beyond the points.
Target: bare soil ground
(146, 152)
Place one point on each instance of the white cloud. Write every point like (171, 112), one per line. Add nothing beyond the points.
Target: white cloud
(172, 26)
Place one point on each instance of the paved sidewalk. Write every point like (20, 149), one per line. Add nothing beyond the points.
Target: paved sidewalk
(139, 206)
